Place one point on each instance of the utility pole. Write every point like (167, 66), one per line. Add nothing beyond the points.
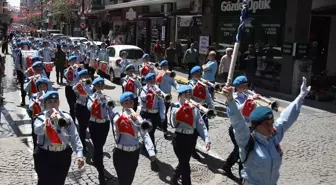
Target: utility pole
(41, 3)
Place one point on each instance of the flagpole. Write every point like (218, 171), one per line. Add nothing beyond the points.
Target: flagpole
(243, 19)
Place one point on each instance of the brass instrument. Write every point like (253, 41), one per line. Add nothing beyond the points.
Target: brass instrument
(60, 121)
(162, 95)
(34, 77)
(217, 87)
(144, 124)
(109, 104)
(209, 112)
(273, 104)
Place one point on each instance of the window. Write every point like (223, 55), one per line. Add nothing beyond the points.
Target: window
(133, 53)
(111, 51)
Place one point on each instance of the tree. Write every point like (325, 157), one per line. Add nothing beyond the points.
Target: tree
(34, 21)
(63, 11)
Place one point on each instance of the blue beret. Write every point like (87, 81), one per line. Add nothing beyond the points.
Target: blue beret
(183, 89)
(41, 43)
(24, 43)
(126, 96)
(37, 64)
(164, 62)
(37, 58)
(195, 69)
(239, 80)
(124, 53)
(42, 80)
(261, 113)
(98, 81)
(72, 58)
(50, 95)
(83, 72)
(129, 66)
(150, 76)
(145, 56)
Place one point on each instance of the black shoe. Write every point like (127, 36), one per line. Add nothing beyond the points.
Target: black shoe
(23, 103)
(227, 169)
(154, 166)
(101, 178)
(165, 135)
(196, 156)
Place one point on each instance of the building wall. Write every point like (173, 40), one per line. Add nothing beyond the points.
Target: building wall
(331, 61)
(322, 3)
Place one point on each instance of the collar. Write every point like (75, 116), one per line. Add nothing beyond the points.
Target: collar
(261, 138)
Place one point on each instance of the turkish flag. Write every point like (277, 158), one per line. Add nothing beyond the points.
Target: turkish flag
(33, 88)
(130, 86)
(36, 109)
(159, 77)
(80, 89)
(185, 114)
(51, 133)
(248, 107)
(199, 91)
(96, 109)
(103, 66)
(71, 74)
(145, 70)
(124, 126)
(150, 99)
(29, 62)
(49, 66)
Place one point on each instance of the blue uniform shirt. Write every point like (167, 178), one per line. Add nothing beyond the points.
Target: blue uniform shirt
(105, 112)
(70, 83)
(167, 83)
(35, 97)
(210, 75)
(78, 56)
(129, 140)
(264, 161)
(103, 56)
(158, 102)
(123, 64)
(198, 122)
(137, 84)
(47, 54)
(68, 136)
(208, 99)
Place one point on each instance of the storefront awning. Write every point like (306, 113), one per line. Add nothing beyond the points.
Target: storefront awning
(137, 3)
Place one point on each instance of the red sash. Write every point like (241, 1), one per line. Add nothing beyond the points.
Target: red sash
(185, 115)
(29, 62)
(80, 89)
(36, 109)
(159, 77)
(124, 126)
(49, 66)
(96, 109)
(130, 86)
(248, 107)
(103, 66)
(71, 74)
(199, 91)
(30, 72)
(145, 70)
(150, 99)
(51, 133)
(33, 88)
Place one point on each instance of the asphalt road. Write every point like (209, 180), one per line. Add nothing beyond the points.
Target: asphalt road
(309, 147)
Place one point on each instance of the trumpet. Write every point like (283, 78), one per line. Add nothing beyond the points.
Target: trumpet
(144, 124)
(87, 81)
(209, 112)
(172, 74)
(36, 76)
(273, 104)
(166, 97)
(60, 121)
(217, 87)
(109, 103)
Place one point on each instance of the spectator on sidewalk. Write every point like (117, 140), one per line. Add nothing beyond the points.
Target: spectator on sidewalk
(210, 70)
(60, 61)
(157, 50)
(4, 45)
(224, 65)
(191, 58)
(251, 64)
(170, 55)
(179, 52)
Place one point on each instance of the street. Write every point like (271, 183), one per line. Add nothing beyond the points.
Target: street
(309, 147)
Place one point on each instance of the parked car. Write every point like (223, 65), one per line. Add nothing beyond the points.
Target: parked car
(57, 35)
(98, 43)
(134, 55)
(78, 39)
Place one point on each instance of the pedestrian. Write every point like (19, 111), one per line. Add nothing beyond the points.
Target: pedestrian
(188, 125)
(82, 90)
(179, 52)
(166, 81)
(170, 55)
(99, 106)
(157, 50)
(55, 132)
(209, 71)
(260, 150)
(251, 64)
(4, 46)
(60, 63)
(123, 63)
(191, 58)
(224, 65)
(126, 128)
(19, 67)
(131, 83)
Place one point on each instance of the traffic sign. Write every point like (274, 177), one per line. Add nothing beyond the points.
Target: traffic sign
(82, 25)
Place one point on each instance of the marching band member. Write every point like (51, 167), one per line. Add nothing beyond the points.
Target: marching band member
(47, 55)
(126, 129)
(201, 95)
(92, 56)
(146, 67)
(131, 83)
(35, 102)
(55, 132)
(70, 75)
(78, 54)
(30, 83)
(209, 71)
(260, 150)
(36, 68)
(241, 86)
(19, 67)
(123, 63)
(189, 125)
(152, 104)
(99, 125)
(82, 90)
(165, 82)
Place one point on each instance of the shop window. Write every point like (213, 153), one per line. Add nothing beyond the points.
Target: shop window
(110, 51)
(133, 53)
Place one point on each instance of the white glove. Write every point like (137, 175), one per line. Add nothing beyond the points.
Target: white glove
(304, 89)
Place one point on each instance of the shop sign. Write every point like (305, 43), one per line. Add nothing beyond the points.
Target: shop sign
(287, 49)
(301, 50)
(228, 6)
(163, 33)
(131, 14)
(203, 44)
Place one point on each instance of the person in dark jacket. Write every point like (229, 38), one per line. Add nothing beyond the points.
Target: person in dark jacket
(60, 63)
